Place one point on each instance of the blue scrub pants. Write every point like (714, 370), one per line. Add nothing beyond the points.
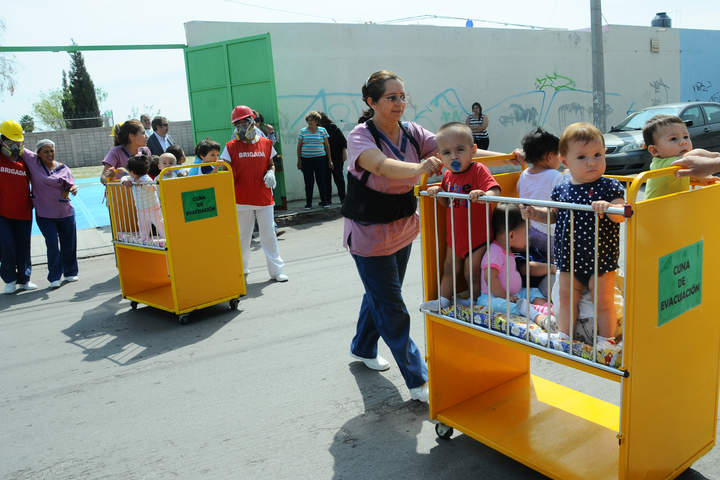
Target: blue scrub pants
(15, 265)
(383, 314)
(62, 260)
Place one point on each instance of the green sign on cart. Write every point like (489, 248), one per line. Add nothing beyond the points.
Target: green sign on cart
(199, 204)
(679, 282)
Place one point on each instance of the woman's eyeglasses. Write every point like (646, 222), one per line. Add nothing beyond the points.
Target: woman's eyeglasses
(397, 99)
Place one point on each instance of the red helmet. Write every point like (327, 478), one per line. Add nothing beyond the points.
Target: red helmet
(240, 112)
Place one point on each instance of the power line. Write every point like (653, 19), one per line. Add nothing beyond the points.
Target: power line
(263, 7)
(441, 17)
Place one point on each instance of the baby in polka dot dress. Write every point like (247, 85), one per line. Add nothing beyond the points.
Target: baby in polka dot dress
(582, 151)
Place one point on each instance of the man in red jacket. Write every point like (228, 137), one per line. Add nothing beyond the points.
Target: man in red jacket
(250, 156)
(15, 211)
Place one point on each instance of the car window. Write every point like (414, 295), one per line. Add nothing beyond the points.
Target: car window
(712, 112)
(693, 114)
(637, 120)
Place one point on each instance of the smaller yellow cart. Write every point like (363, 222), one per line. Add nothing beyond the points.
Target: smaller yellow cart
(191, 259)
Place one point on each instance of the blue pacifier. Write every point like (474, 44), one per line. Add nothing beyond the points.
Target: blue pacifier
(455, 165)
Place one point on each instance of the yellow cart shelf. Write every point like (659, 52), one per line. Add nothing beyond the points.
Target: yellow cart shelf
(199, 263)
(482, 385)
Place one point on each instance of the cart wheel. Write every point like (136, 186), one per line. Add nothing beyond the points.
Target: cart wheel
(183, 318)
(443, 431)
(234, 303)
(133, 305)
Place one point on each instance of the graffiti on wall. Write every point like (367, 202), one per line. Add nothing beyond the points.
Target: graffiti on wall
(659, 92)
(553, 102)
(703, 91)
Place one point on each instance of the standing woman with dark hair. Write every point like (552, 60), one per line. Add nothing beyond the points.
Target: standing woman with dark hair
(314, 159)
(385, 161)
(130, 138)
(338, 151)
(478, 123)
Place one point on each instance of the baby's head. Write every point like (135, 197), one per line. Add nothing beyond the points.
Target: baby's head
(177, 152)
(166, 160)
(541, 149)
(666, 136)
(582, 151)
(514, 229)
(455, 146)
(138, 166)
(208, 150)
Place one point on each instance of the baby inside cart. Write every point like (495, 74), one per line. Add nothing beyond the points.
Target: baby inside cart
(150, 229)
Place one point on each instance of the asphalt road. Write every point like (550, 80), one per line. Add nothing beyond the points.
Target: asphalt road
(90, 389)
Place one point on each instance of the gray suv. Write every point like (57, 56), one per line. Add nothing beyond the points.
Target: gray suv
(625, 150)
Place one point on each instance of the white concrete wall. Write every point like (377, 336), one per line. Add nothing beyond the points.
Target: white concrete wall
(522, 78)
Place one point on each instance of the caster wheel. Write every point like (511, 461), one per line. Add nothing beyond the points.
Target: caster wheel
(183, 319)
(443, 431)
(234, 303)
(133, 305)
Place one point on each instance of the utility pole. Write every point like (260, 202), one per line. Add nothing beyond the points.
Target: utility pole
(598, 65)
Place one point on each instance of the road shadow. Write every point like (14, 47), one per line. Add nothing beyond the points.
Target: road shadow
(21, 297)
(112, 331)
(109, 285)
(382, 442)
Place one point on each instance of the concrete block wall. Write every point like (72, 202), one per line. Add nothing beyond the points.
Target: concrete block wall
(88, 146)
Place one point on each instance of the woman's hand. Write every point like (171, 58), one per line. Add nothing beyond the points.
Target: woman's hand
(698, 163)
(431, 166)
(74, 189)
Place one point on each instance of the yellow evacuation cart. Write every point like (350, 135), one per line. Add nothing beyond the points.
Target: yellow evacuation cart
(480, 377)
(176, 241)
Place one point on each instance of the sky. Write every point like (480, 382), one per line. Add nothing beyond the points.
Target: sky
(152, 81)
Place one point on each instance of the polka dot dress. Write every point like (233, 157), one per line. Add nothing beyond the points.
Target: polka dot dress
(607, 189)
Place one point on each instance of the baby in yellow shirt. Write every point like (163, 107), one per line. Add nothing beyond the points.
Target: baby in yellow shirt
(667, 139)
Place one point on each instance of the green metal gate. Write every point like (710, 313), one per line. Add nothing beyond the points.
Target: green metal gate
(225, 74)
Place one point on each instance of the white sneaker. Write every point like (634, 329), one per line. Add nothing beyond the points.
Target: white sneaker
(55, 284)
(378, 363)
(421, 394)
(27, 286)
(10, 287)
(72, 278)
(281, 277)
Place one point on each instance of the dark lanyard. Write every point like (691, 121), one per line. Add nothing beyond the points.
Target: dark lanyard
(399, 154)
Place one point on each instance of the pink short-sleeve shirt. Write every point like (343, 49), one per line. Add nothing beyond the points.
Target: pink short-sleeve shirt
(385, 238)
(497, 259)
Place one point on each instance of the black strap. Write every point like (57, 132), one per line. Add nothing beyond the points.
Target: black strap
(376, 136)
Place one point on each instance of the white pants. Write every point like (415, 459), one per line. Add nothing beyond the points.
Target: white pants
(246, 215)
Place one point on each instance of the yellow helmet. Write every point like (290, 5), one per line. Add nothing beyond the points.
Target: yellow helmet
(115, 129)
(12, 130)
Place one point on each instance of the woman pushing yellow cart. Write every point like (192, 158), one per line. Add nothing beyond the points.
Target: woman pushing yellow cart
(184, 255)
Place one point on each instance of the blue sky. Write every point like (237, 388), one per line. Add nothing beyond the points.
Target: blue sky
(135, 79)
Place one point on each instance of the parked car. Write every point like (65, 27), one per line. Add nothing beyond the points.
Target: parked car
(625, 150)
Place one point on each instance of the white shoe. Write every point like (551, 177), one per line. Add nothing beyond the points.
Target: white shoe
(72, 278)
(10, 287)
(421, 394)
(281, 277)
(27, 286)
(55, 284)
(378, 363)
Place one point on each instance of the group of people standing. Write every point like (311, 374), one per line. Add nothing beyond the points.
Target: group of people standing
(52, 182)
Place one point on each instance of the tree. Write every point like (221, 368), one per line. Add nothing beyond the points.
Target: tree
(80, 105)
(7, 69)
(50, 110)
(27, 123)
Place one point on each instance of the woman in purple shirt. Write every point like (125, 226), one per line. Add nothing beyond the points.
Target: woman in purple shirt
(130, 139)
(384, 163)
(52, 182)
